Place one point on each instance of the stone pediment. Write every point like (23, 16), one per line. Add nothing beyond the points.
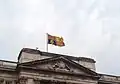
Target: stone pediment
(60, 64)
(57, 65)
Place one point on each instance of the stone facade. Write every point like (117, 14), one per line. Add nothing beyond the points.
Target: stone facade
(37, 67)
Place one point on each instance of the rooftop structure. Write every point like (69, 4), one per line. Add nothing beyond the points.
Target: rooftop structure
(35, 67)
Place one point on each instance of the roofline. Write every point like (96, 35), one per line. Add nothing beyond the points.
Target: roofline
(34, 51)
(9, 61)
(68, 56)
(108, 75)
(29, 50)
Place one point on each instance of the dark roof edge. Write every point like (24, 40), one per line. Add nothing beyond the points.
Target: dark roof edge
(29, 50)
(70, 57)
(9, 61)
(34, 51)
(108, 75)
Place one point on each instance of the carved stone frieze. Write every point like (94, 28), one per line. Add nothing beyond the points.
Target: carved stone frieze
(59, 66)
(22, 80)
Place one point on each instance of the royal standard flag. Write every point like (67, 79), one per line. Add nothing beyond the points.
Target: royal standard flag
(55, 40)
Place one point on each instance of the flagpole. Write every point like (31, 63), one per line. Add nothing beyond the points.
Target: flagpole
(47, 42)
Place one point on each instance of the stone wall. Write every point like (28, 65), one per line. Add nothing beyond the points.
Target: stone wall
(109, 79)
(32, 75)
(26, 57)
(88, 65)
(8, 77)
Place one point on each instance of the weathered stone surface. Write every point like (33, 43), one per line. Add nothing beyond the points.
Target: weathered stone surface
(67, 70)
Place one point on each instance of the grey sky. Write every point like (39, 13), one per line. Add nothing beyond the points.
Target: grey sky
(90, 28)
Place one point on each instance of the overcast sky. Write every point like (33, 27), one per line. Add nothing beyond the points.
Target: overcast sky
(90, 28)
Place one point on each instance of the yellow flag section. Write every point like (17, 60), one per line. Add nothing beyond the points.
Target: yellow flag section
(55, 40)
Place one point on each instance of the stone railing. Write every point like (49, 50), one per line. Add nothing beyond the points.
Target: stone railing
(8, 64)
(110, 78)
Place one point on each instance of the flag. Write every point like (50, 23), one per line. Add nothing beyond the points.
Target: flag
(55, 40)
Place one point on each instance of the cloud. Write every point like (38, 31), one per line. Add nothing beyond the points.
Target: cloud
(90, 28)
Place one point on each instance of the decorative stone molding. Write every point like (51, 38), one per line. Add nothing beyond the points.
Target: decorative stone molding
(8, 82)
(110, 78)
(37, 81)
(22, 80)
(59, 66)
